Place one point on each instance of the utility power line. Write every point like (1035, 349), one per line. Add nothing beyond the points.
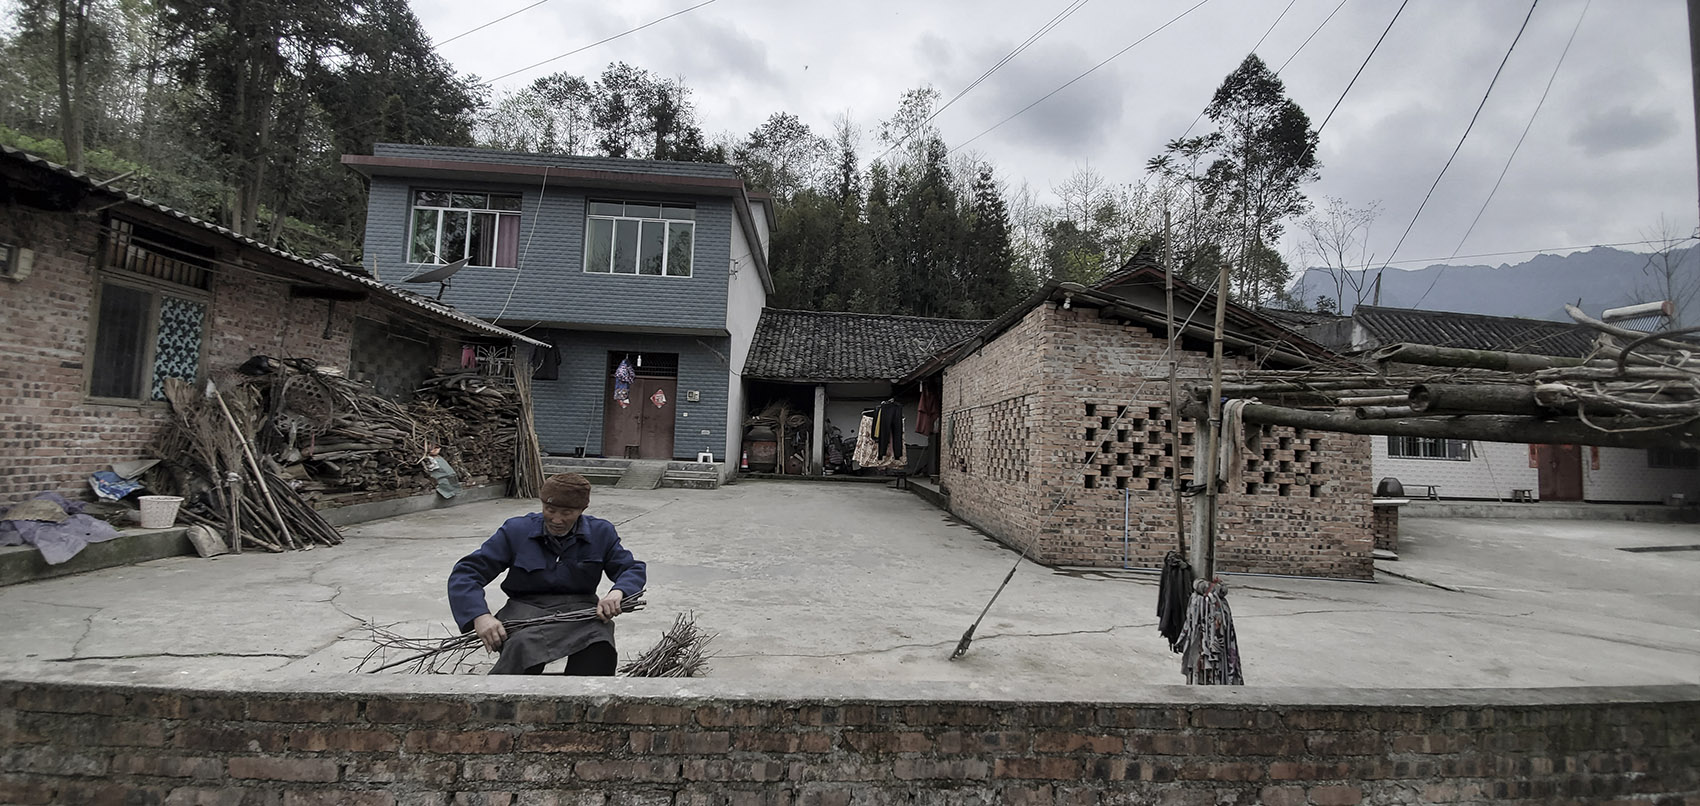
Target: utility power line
(1526, 128)
(603, 41)
(1044, 29)
(1460, 146)
(1088, 72)
(488, 24)
(1254, 48)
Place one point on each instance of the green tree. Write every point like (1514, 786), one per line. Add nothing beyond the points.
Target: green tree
(1256, 163)
(988, 260)
(782, 156)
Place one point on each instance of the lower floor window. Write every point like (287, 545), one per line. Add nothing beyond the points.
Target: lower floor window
(143, 336)
(1428, 448)
(1673, 458)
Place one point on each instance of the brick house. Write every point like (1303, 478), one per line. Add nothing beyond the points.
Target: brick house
(834, 365)
(107, 294)
(1054, 436)
(660, 265)
(1482, 470)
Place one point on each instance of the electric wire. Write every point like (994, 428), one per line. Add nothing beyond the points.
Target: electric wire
(1313, 34)
(542, 195)
(1055, 20)
(1526, 128)
(488, 24)
(1254, 48)
(1071, 81)
(602, 41)
(1460, 146)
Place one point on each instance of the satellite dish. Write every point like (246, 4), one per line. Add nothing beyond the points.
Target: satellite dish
(441, 274)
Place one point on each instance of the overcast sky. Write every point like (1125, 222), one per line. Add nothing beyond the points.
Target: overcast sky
(1610, 153)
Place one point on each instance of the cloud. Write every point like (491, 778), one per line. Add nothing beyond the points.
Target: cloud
(1073, 120)
(1620, 129)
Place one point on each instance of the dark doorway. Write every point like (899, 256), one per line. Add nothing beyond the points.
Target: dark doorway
(643, 428)
(1560, 472)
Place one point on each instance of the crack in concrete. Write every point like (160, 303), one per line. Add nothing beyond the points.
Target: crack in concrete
(648, 512)
(57, 604)
(138, 656)
(88, 627)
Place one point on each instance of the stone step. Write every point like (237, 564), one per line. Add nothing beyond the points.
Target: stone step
(641, 475)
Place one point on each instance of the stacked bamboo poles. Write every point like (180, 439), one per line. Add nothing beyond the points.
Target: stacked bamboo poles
(1636, 390)
(526, 481)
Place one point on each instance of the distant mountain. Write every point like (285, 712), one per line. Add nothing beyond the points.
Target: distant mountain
(1537, 288)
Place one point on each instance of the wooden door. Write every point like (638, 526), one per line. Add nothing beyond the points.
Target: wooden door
(622, 426)
(1560, 472)
(655, 423)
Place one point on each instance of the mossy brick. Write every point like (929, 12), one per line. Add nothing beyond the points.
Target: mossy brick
(939, 769)
(317, 710)
(72, 700)
(237, 738)
(458, 742)
(765, 742)
(272, 768)
(516, 769)
(570, 741)
(343, 740)
(627, 770)
(736, 771)
(637, 713)
(873, 742)
(1043, 767)
(1343, 795)
(741, 716)
(166, 765)
(53, 760)
(681, 742)
(339, 797)
(419, 712)
(406, 769)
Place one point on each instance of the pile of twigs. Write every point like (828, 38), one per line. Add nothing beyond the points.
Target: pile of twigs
(452, 655)
(681, 652)
(210, 458)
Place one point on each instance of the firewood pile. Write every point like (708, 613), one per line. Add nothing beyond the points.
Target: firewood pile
(1635, 390)
(317, 437)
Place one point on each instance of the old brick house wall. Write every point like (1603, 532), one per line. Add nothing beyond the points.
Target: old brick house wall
(1024, 413)
(53, 434)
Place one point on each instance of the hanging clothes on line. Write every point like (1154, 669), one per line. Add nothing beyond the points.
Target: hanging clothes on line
(1210, 653)
(1174, 590)
(623, 377)
(868, 453)
(888, 428)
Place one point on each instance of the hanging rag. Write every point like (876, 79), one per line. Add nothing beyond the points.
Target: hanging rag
(448, 481)
(1174, 589)
(1229, 459)
(1210, 654)
(927, 411)
(623, 377)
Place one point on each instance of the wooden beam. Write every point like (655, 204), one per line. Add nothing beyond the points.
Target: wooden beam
(1487, 427)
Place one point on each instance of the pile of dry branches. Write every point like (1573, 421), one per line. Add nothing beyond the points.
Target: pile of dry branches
(681, 652)
(1635, 390)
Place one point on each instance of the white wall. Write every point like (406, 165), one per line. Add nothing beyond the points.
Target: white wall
(1625, 476)
(1493, 472)
(745, 298)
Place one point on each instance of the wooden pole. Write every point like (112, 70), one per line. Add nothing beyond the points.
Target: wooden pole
(1485, 427)
(254, 465)
(1174, 388)
(1431, 356)
(235, 480)
(1204, 506)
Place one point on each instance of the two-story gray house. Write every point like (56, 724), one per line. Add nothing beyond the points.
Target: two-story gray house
(647, 277)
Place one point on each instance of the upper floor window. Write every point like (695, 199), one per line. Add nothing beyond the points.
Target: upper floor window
(1673, 458)
(447, 226)
(1428, 448)
(637, 238)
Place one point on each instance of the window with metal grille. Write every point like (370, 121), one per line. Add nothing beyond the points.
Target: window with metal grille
(143, 335)
(1457, 450)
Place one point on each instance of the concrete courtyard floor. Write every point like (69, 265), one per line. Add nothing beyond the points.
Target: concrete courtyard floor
(850, 582)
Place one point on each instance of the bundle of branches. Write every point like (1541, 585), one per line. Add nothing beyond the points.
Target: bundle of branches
(527, 477)
(483, 413)
(681, 652)
(452, 655)
(208, 457)
(1636, 390)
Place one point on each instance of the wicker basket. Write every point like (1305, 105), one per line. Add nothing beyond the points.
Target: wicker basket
(160, 511)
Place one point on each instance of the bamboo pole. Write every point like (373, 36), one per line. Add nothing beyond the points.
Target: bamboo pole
(1174, 389)
(1486, 427)
(1439, 398)
(253, 464)
(1429, 355)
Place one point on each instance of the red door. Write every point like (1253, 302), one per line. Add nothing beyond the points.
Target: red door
(1560, 472)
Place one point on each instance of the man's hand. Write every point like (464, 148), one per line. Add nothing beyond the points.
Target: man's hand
(490, 629)
(609, 605)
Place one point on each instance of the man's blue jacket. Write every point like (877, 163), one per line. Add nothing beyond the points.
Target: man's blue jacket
(522, 548)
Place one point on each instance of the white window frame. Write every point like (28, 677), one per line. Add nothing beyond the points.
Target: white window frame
(496, 236)
(1424, 448)
(667, 230)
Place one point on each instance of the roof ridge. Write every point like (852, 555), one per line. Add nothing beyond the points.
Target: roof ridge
(874, 315)
(1430, 312)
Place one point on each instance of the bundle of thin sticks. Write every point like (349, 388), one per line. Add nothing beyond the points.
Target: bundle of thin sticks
(453, 655)
(681, 652)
